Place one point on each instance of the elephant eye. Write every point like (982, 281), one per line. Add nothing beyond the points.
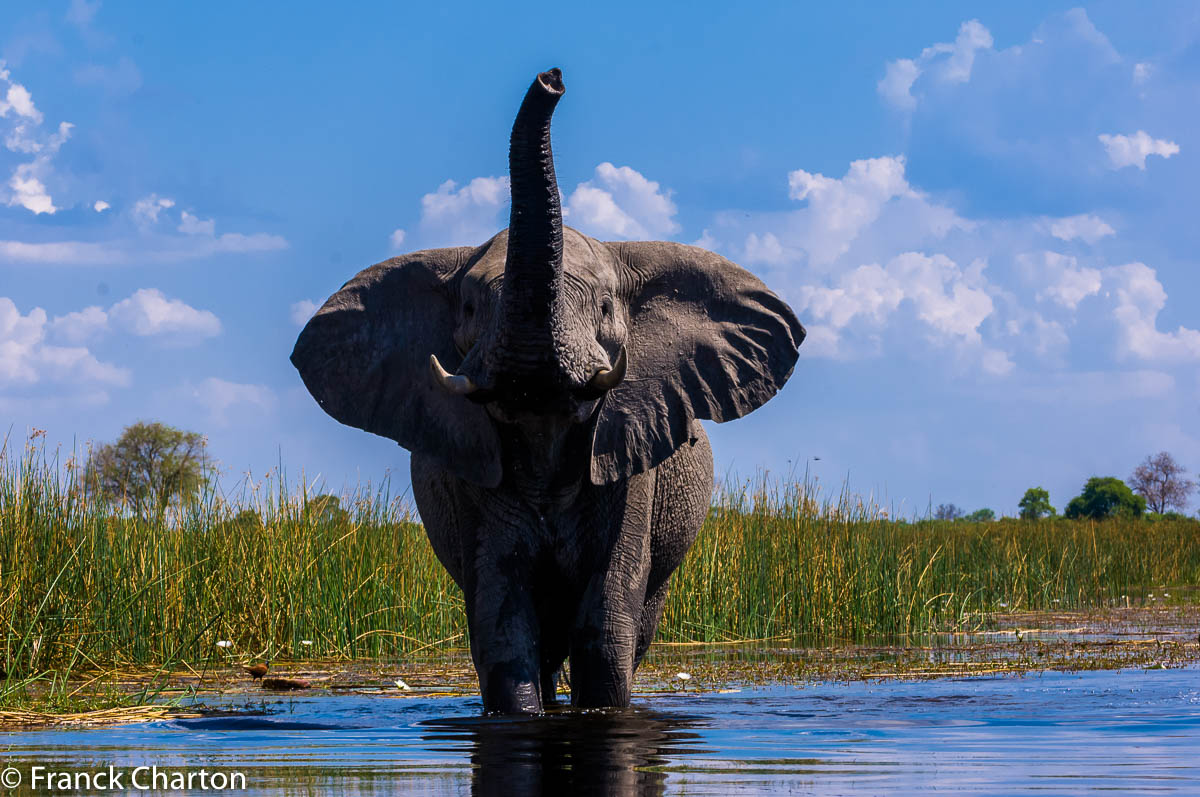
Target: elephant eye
(468, 309)
(606, 307)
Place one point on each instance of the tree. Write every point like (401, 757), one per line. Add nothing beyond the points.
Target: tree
(981, 515)
(947, 512)
(1035, 504)
(326, 510)
(1104, 497)
(149, 466)
(1160, 480)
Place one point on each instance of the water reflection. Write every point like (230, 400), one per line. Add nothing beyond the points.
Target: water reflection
(612, 752)
(1111, 731)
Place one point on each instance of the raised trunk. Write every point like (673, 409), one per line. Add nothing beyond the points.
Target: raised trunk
(533, 273)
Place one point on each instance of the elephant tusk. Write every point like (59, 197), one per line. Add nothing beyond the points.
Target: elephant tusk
(452, 383)
(607, 378)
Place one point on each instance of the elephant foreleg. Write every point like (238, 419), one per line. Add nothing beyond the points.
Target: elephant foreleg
(605, 637)
(504, 647)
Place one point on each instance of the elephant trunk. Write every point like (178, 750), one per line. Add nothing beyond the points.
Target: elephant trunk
(534, 268)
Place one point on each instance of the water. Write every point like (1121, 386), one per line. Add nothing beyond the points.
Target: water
(1051, 732)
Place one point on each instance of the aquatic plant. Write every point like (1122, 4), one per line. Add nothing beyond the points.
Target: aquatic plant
(85, 585)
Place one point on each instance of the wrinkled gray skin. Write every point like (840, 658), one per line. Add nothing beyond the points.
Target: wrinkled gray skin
(558, 461)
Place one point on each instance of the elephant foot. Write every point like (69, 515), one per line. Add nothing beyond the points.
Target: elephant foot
(507, 693)
(600, 684)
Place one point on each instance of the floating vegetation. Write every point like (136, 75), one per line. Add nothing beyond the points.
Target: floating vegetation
(1022, 644)
(101, 717)
(285, 684)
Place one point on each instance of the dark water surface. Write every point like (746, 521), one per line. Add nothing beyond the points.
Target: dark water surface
(1052, 733)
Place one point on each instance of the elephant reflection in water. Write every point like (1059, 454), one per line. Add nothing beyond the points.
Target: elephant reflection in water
(550, 387)
(615, 752)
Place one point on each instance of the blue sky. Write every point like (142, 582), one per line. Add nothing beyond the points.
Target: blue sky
(983, 213)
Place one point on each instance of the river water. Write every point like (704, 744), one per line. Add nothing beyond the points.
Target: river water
(1050, 733)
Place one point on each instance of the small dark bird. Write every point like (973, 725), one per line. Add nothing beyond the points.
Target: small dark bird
(257, 671)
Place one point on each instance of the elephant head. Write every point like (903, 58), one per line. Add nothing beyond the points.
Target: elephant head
(438, 349)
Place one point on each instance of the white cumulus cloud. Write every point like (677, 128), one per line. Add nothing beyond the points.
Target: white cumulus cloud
(868, 214)
(766, 249)
(220, 396)
(100, 206)
(951, 301)
(148, 312)
(193, 225)
(27, 187)
(196, 237)
(896, 85)
(841, 208)
(1139, 298)
(303, 310)
(1085, 227)
(466, 216)
(27, 359)
(1061, 278)
(619, 202)
(1133, 150)
(29, 192)
(396, 239)
(80, 326)
(947, 62)
(18, 100)
(146, 210)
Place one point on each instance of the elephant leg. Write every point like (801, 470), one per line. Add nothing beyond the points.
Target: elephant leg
(478, 540)
(504, 647)
(605, 635)
(651, 613)
(602, 655)
(683, 487)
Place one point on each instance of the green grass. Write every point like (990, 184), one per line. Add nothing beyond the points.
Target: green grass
(773, 560)
(86, 587)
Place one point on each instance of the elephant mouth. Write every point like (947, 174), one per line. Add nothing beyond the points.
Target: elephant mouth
(542, 396)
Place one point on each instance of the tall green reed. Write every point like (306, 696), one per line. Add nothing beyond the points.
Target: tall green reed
(274, 573)
(775, 559)
(278, 572)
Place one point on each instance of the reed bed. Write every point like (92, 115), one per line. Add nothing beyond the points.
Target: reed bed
(273, 573)
(776, 560)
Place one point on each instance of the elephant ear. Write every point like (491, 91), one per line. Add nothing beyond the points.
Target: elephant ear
(706, 340)
(364, 357)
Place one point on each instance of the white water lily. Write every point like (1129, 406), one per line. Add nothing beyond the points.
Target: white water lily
(224, 643)
(683, 676)
(306, 642)
(403, 686)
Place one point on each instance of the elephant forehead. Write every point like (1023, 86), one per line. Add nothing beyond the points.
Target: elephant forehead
(586, 259)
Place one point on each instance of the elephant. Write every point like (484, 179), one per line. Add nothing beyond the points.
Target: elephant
(549, 387)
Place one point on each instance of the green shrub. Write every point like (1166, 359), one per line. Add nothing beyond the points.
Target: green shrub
(1104, 497)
